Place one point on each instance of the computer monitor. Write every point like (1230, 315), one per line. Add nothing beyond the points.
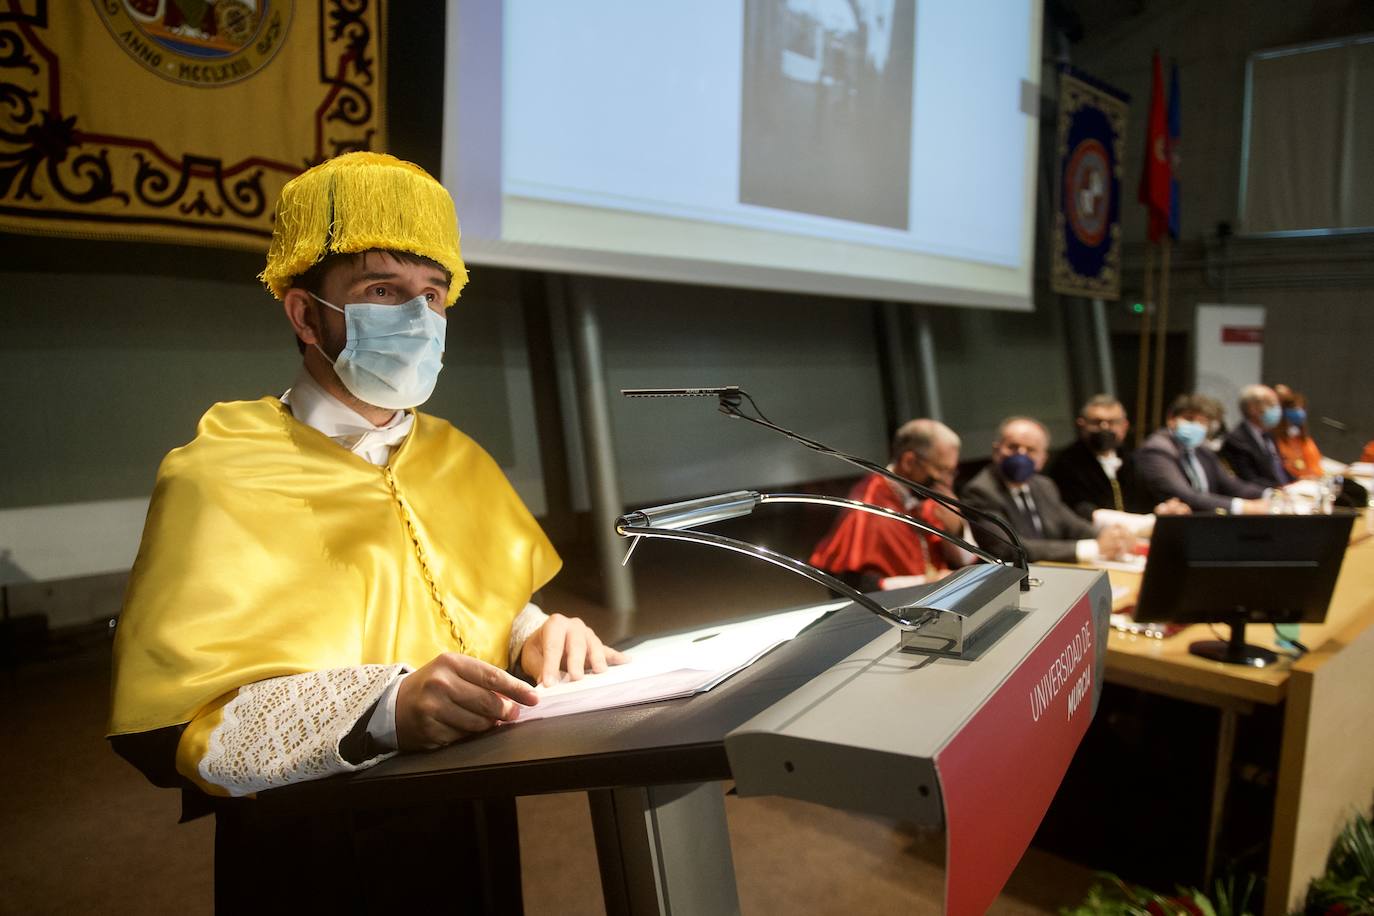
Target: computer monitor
(1241, 569)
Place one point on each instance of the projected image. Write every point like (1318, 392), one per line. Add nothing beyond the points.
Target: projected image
(826, 108)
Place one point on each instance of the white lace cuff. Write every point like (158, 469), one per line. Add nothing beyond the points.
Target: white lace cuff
(524, 625)
(287, 729)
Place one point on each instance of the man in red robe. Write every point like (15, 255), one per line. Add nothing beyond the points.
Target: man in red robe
(870, 552)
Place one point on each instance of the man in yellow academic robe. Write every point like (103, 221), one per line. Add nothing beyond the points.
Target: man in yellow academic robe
(330, 577)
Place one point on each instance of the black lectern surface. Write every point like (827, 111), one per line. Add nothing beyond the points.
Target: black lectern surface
(842, 714)
(665, 742)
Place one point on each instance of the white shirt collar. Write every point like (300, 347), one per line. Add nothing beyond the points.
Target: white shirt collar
(319, 409)
(1111, 463)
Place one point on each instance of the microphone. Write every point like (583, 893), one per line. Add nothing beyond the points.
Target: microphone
(731, 396)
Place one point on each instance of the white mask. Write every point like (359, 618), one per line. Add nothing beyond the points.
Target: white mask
(393, 353)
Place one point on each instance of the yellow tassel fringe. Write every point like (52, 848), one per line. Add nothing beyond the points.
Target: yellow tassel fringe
(357, 202)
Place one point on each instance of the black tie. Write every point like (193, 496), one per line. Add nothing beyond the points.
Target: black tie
(1280, 472)
(1027, 510)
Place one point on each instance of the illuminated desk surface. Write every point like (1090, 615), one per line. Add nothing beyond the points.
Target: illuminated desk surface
(1165, 665)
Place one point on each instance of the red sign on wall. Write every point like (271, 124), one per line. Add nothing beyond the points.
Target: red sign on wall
(1000, 772)
(1234, 335)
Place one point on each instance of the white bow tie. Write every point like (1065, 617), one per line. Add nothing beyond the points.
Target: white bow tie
(359, 439)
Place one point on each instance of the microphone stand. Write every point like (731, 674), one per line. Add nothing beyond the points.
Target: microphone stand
(945, 621)
(729, 399)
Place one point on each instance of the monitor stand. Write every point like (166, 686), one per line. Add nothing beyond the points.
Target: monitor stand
(1234, 651)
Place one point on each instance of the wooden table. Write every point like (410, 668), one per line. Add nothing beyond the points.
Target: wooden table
(1326, 758)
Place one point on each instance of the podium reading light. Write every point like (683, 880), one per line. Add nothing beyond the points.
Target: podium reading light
(944, 621)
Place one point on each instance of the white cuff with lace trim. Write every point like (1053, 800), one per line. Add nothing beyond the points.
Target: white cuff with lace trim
(287, 729)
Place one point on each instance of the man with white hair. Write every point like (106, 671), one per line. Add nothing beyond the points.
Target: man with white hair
(872, 553)
(1249, 448)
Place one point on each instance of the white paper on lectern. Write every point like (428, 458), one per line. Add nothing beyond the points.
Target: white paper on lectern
(677, 665)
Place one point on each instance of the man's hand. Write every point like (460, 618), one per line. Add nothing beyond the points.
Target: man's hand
(1173, 506)
(455, 696)
(1114, 542)
(568, 644)
(946, 518)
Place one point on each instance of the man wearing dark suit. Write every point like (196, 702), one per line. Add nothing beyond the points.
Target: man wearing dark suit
(1093, 474)
(1012, 487)
(1249, 448)
(1174, 464)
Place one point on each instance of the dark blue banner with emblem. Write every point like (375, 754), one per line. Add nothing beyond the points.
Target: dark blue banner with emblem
(178, 120)
(1085, 255)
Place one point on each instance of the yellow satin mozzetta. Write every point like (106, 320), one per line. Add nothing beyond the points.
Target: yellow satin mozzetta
(270, 550)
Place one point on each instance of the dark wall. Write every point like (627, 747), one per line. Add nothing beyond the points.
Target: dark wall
(1317, 292)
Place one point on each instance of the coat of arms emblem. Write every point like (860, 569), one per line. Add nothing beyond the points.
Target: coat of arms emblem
(198, 42)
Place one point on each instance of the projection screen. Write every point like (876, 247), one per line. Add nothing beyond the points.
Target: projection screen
(880, 149)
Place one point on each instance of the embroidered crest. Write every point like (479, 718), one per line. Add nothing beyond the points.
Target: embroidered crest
(198, 42)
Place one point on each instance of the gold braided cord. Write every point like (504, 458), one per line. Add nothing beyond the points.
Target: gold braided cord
(359, 202)
(423, 559)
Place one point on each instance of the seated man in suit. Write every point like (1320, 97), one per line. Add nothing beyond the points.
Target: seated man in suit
(872, 553)
(1249, 448)
(1092, 474)
(1012, 487)
(1172, 463)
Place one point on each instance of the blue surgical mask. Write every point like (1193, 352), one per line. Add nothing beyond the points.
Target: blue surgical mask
(393, 353)
(1271, 416)
(1295, 415)
(1190, 434)
(1017, 468)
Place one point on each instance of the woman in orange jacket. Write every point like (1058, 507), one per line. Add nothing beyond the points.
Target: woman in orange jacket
(1299, 452)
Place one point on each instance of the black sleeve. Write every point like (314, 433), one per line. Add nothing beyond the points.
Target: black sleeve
(1072, 487)
(154, 754)
(1066, 522)
(1241, 462)
(989, 537)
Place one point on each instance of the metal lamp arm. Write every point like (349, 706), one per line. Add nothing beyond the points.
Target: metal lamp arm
(769, 556)
(730, 407)
(846, 503)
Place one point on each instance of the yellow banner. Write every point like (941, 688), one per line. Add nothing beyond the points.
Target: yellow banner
(178, 120)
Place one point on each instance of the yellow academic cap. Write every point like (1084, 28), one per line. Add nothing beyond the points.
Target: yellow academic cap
(358, 202)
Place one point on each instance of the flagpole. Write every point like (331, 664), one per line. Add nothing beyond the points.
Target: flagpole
(1142, 378)
(1157, 410)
